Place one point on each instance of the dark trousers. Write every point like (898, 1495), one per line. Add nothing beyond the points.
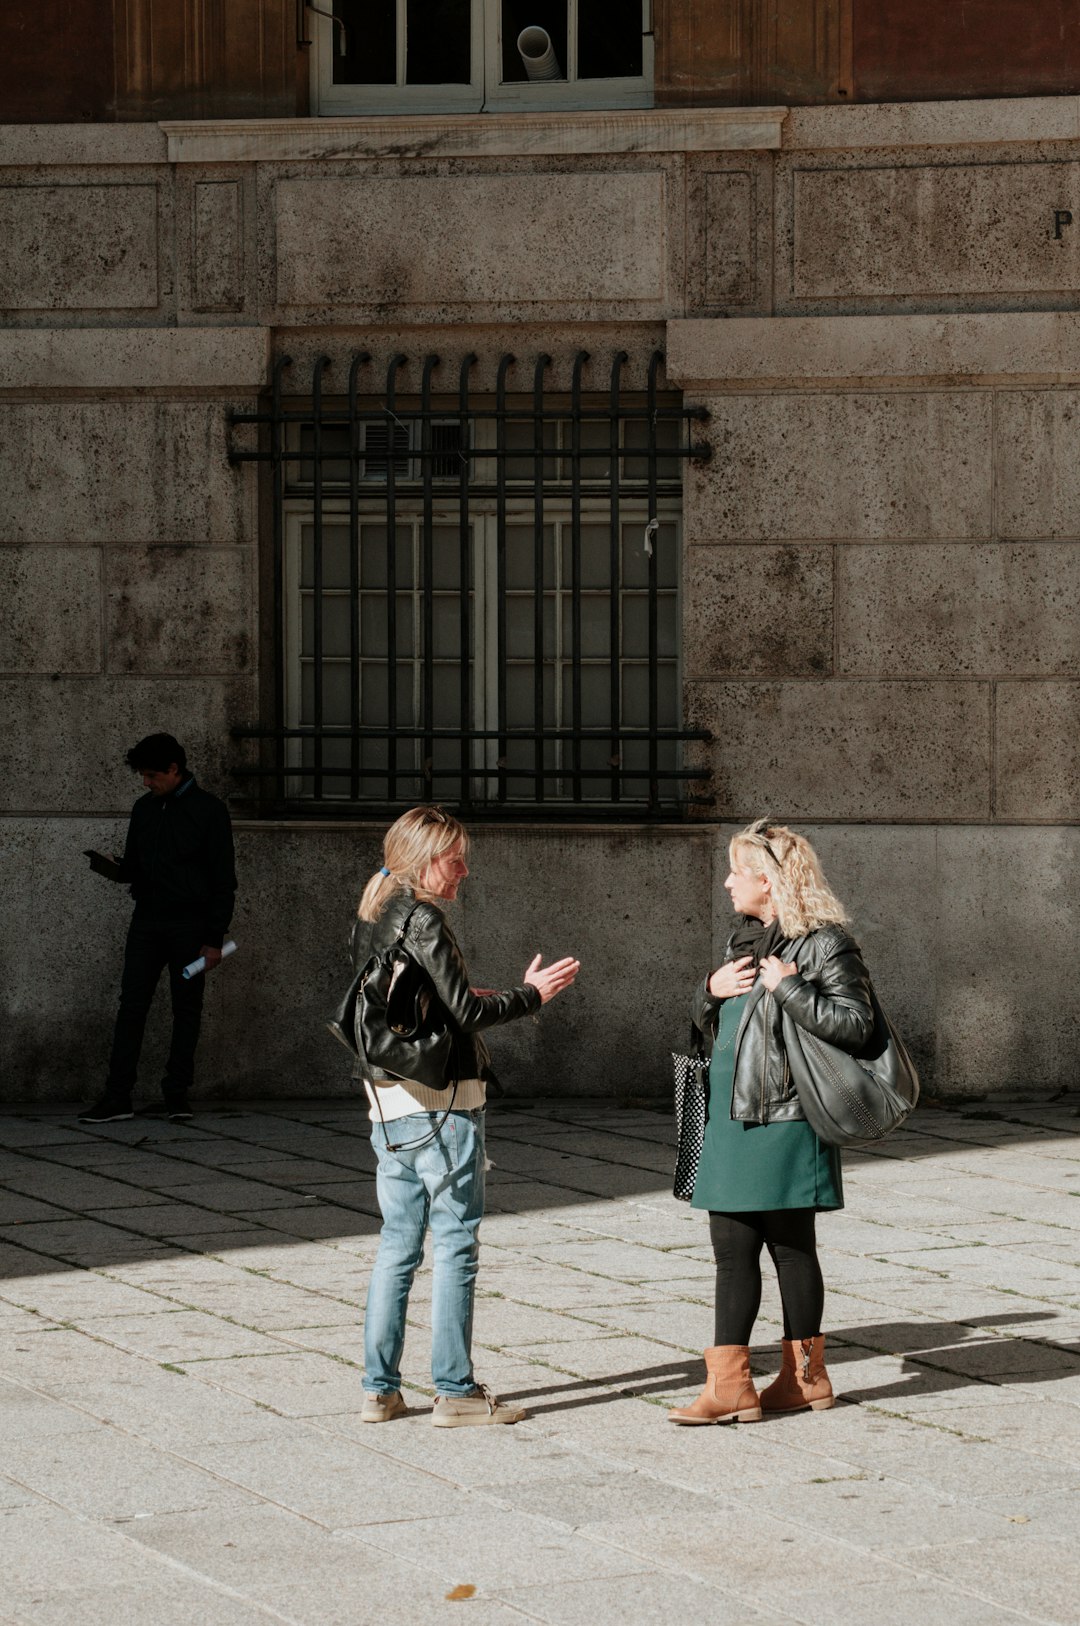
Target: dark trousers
(153, 945)
(737, 1240)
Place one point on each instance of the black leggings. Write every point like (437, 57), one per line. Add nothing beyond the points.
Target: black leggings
(737, 1240)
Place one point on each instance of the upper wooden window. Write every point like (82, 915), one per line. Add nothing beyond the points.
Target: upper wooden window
(445, 56)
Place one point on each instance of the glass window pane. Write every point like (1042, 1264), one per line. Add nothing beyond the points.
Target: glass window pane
(595, 625)
(635, 624)
(609, 39)
(373, 555)
(335, 626)
(636, 435)
(445, 556)
(375, 624)
(635, 695)
(519, 696)
(335, 693)
(666, 628)
(375, 694)
(370, 40)
(595, 435)
(335, 456)
(446, 628)
(335, 556)
(447, 696)
(438, 48)
(519, 439)
(520, 615)
(595, 556)
(596, 698)
(519, 14)
(521, 556)
(635, 561)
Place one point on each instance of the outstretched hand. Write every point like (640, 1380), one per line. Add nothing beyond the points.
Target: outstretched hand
(549, 980)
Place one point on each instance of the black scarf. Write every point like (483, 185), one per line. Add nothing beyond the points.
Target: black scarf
(751, 936)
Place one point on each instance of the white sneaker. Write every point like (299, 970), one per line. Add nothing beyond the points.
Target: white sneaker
(382, 1408)
(465, 1411)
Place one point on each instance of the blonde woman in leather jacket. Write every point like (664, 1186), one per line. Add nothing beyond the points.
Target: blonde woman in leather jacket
(430, 1142)
(764, 1174)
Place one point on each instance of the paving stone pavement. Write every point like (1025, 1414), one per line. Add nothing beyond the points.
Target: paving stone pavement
(180, 1385)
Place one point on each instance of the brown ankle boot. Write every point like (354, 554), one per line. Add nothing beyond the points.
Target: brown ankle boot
(803, 1382)
(729, 1395)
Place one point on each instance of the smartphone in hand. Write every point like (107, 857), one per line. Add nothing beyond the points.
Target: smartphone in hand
(103, 864)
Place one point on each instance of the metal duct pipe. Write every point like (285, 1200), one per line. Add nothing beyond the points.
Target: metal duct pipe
(538, 54)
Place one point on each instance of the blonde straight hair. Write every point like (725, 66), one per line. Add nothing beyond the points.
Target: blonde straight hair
(802, 897)
(410, 847)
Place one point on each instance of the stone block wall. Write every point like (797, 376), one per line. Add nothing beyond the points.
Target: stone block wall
(880, 575)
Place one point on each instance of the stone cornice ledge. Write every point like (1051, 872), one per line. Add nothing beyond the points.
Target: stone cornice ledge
(1003, 120)
(134, 358)
(475, 135)
(768, 352)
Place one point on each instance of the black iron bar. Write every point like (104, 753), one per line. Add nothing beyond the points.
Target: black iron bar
(630, 412)
(277, 474)
(575, 572)
(427, 587)
(614, 571)
(505, 364)
(368, 731)
(542, 362)
(511, 773)
(359, 361)
(391, 420)
(653, 558)
(317, 580)
(465, 673)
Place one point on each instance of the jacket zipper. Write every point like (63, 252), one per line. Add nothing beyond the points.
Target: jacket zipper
(765, 1061)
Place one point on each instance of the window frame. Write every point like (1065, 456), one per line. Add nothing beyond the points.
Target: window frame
(299, 513)
(485, 92)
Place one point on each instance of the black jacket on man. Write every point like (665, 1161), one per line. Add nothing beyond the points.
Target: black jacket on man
(178, 860)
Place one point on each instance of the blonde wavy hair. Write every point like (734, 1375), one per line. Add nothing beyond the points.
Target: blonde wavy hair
(410, 847)
(802, 897)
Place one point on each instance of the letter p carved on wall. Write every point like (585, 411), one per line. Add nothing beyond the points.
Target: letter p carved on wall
(1062, 218)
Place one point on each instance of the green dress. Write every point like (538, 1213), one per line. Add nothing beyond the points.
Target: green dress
(757, 1168)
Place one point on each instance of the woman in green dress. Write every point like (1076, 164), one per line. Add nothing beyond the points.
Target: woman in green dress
(764, 1174)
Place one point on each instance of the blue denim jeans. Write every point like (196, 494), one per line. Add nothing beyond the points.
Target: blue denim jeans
(440, 1184)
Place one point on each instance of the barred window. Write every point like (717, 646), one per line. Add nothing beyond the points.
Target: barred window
(477, 596)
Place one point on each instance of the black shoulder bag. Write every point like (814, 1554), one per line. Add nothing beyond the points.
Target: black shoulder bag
(393, 1021)
(852, 1100)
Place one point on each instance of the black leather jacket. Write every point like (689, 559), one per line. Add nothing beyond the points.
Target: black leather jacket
(433, 945)
(829, 996)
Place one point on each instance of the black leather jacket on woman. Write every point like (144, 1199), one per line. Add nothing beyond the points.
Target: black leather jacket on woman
(433, 945)
(829, 995)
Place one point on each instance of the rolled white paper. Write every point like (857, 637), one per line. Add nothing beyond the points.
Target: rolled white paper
(197, 967)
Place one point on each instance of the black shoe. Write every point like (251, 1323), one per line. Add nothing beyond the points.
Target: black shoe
(178, 1112)
(106, 1111)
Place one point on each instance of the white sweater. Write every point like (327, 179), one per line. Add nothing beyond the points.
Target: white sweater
(399, 1100)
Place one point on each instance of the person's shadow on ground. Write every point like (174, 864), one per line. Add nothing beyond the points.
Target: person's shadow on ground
(937, 1356)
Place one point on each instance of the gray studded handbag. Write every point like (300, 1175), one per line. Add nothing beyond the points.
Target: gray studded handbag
(852, 1100)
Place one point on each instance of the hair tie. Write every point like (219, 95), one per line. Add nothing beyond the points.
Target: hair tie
(384, 870)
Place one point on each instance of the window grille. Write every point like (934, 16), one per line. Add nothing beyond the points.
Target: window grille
(475, 597)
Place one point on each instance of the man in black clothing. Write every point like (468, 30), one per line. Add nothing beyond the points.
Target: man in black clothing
(178, 861)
